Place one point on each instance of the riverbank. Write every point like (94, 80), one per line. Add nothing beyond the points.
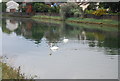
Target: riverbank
(9, 72)
(105, 22)
(82, 25)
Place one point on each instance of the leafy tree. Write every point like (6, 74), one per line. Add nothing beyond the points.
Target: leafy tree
(54, 9)
(92, 6)
(113, 6)
(3, 6)
(40, 7)
(69, 9)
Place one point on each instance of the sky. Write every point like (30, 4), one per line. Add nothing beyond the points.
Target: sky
(0, 1)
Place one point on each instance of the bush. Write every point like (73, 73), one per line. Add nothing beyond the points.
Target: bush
(40, 7)
(53, 10)
(76, 12)
(3, 6)
(100, 12)
(89, 11)
(69, 9)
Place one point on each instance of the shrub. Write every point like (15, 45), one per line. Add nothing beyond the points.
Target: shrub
(69, 9)
(76, 12)
(53, 9)
(40, 7)
(99, 12)
(89, 11)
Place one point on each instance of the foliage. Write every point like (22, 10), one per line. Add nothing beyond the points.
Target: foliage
(92, 6)
(89, 11)
(68, 9)
(76, 12)
(54, 9)
(40, 7)
(99, 12)
(3, 6)
(47, 17)
(113, 6)
(105, 21)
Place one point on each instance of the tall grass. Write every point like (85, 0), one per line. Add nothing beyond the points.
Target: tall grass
(8, 72)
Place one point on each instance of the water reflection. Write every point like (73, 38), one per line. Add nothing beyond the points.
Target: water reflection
(11, 24)
(34, 31)
(70, 51)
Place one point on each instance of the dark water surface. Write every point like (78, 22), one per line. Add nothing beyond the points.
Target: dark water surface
(54, 50)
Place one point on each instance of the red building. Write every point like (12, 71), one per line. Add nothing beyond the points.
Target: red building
(28, 8)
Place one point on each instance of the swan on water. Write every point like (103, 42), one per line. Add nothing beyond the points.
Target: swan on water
(53, 48)
(65, 40)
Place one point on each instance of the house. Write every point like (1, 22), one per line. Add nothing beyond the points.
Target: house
(12, 6)
(84, 5)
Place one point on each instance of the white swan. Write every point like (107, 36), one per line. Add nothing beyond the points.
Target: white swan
(65, 40)
(53, 48)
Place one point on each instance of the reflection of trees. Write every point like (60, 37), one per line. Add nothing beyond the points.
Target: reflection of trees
(111, 42)
(36, 31)
(32, 30)
(108, 40)
(53, 33)
(104, 39)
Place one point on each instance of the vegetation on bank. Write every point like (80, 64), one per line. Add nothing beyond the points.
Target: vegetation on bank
(47, 17)
(82, 25)
(107, 22)
(8, 72)
(95, 27)
(94, 21)
(72, 12)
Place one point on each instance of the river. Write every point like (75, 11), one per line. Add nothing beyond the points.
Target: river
(59, 50)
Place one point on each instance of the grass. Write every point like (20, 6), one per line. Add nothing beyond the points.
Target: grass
(82, 25)
(8, 72)
(97, 21)
(48, 21)
(107, 22)
(47, 17)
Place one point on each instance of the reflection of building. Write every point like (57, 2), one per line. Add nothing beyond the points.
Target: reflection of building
(11, 25)
(12, 6)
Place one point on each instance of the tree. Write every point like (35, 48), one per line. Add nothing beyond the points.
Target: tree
(113, 6)
(3, 6)
(40, 7)
(69, 9)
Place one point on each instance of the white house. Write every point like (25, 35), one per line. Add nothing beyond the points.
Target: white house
(12, 6)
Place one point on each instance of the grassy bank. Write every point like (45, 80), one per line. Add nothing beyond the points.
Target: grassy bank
(10, 72)
(82, 25)
(47, 17)
(106, 22)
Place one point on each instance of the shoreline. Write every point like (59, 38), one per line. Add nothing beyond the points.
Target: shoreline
(78, 20)
(90, 21)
